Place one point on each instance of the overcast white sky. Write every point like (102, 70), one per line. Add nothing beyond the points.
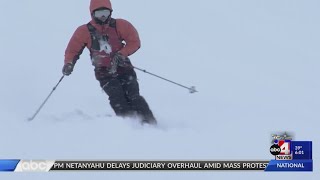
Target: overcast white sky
(254, 62)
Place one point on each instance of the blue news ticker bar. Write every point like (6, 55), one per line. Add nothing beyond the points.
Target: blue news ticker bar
(8, 164)
(290, 165)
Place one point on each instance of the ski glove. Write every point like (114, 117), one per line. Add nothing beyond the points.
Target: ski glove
(119, 60)
(67, 69)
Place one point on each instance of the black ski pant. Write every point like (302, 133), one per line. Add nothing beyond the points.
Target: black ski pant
(124, 95)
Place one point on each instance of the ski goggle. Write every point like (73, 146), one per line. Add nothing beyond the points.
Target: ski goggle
(102, 13)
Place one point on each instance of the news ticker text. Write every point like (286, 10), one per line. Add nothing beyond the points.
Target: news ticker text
(46, 166)
(17, 165)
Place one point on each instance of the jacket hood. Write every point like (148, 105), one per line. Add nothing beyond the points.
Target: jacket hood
(96, 4)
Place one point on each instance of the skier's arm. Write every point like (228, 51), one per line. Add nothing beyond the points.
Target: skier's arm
(130, 35)
(76, 45)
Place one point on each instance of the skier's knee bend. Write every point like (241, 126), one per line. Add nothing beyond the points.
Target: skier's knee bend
(134, 97)
(112, 87)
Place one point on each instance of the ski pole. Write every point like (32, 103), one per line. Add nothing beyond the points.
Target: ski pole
(45, 101)
(191, 89)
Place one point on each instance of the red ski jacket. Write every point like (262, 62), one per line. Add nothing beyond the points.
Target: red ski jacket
(81, 38)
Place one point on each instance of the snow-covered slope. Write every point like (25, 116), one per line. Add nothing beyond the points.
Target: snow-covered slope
(255, 64)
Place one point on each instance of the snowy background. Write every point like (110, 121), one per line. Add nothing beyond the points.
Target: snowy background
(254, 62)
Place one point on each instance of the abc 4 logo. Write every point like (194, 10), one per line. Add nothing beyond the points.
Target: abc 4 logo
(281, 147)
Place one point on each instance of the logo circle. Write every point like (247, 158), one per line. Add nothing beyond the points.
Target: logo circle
(275, 149)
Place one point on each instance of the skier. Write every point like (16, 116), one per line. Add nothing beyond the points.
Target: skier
(110, 42)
